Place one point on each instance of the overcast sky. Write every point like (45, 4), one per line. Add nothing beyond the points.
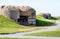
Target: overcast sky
(51, 6)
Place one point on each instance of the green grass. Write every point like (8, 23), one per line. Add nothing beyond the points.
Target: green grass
(15, 30)
(41, 21)
(9, 26)
(55, 33)
(56, 18)
(5, 22)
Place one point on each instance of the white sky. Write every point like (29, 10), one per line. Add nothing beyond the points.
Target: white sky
(51, 6)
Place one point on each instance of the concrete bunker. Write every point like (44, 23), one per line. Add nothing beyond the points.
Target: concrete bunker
(27, 15)
(24, 15)
(46, 15)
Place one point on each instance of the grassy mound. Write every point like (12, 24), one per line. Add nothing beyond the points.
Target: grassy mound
(54, 18)
(9, 26)
(8, 23)
(41, 21)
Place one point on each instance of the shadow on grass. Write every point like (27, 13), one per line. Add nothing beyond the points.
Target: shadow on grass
(44, 23)
(4, 33)
(7, 33)
(54, 18)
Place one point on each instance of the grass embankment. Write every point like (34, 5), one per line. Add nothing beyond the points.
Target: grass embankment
(56, 18)
(55, 33)
(9, 26)
(41, 21)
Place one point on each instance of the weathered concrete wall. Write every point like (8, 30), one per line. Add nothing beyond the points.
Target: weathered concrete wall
(0, 10)
(14, 12)
(11, 12)
(30, 12)
(32, 18)
(25, 13)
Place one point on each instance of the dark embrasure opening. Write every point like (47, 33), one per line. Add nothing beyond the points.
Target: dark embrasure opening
(23, 20)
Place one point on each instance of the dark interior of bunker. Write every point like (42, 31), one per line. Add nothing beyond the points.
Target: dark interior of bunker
(23, 20)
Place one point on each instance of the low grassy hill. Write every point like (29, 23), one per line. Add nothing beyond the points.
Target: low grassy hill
(8, 23)
(41, 21)
(9, 26)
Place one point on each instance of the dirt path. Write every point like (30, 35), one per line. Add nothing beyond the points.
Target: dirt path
(21, 35)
